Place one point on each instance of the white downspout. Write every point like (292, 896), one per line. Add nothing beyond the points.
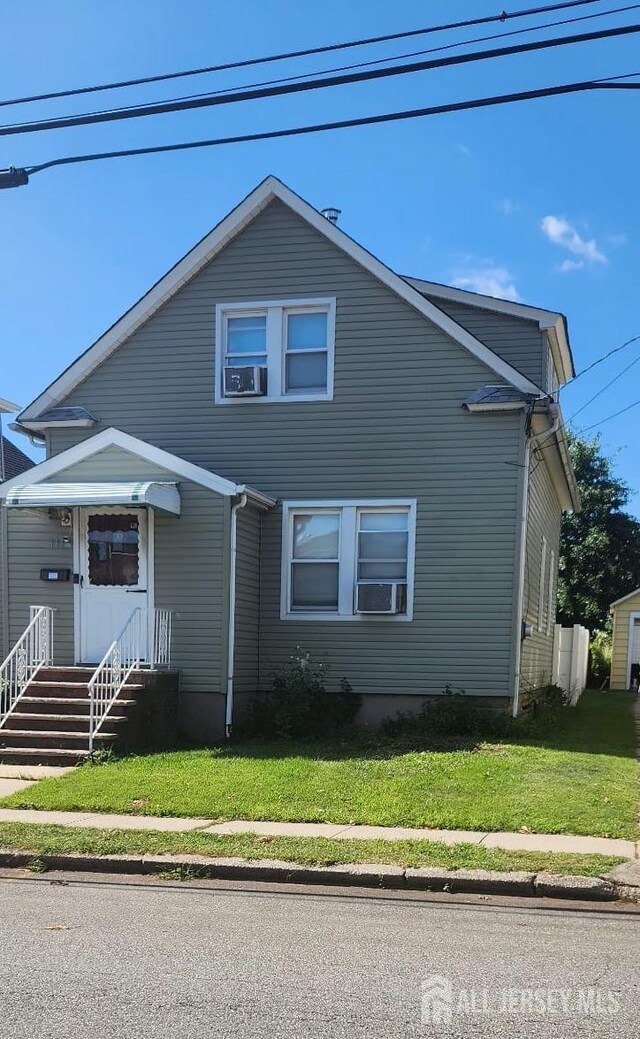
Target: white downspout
(228, 719)
(524, 518)
(531, 441)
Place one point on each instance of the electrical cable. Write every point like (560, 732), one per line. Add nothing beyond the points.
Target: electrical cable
(378, 61)
(503, 16)
(610, 82)
(604, 389)
(164, 107)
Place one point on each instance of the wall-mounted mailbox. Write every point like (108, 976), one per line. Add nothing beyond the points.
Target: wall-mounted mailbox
(50, 573)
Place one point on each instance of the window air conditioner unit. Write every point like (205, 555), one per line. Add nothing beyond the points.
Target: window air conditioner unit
(245, 381)
(381, 597)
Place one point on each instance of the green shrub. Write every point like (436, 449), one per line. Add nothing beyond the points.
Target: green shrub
(451, 714)
(600, 658)
(299, 706)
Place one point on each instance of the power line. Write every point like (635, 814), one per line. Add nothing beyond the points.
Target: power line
(164, 107)
(382, 61)
(610, 353)
(604, 389)
(458, 106)
(307, 52)
(611, 82)
(585, 429)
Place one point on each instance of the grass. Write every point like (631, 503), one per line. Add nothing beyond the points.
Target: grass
(581, 778)
(43, 840)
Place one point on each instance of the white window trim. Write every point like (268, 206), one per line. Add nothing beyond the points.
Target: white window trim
(275, 348)
(551, 613)
(348, 558)
(542, 624)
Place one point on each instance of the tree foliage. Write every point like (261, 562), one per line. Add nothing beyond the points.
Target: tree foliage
(599, 546)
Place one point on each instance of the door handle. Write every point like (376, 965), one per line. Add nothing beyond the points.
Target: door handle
(136, 591)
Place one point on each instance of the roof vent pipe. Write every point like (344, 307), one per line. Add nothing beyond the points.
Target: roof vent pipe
(331, 214)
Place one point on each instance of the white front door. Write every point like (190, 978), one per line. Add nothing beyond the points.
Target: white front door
(113, 566)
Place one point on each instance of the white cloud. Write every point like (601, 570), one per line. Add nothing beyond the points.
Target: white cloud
(464, 150)
(570, 265)
(487, 279)
(562, 233)
(618, 239)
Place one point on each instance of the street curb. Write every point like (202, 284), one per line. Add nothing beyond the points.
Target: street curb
(461, 881)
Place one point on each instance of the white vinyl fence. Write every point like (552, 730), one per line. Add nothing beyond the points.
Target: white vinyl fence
(571, 660)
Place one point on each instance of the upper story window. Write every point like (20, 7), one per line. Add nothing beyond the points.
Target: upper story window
(348, 560)
(275, 351)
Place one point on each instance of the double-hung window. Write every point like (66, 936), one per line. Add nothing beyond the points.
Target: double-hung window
(289, 343)
(348, 560)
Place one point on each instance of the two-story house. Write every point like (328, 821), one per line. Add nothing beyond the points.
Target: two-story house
(285, 443)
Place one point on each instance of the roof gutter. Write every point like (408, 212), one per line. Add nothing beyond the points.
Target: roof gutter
(35, 439)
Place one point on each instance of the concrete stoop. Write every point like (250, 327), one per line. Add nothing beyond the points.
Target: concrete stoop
(622, 884)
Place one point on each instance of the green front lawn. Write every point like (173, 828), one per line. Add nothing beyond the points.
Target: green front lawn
(581, 779)
(50, 840)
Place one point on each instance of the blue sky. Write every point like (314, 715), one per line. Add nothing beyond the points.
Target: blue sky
(536, 201)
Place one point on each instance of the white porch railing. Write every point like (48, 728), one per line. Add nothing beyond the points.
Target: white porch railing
(127, 653)
(161, 638)
(33, 650)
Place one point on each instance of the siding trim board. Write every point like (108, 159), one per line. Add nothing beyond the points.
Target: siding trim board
(218, 239)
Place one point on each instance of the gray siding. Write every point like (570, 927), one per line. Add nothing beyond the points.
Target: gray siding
(394, 429)
(35, 542)
(544, 516)
(190, 567)
(112, 464)
(516, 340)
(247, 655)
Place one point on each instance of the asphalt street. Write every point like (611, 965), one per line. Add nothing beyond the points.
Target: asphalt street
(89, 956)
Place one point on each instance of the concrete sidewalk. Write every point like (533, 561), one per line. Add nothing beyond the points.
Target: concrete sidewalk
(18, 777)
(506, 841)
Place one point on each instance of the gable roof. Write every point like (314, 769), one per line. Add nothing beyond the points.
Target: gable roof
(209, 246)
(552, 323)
(140, 448)
(13, 461)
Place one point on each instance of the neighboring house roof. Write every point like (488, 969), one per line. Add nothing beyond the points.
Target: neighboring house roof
(624, 598)
(13, 461)
(209, 246)
(116, 438)
(550, 322)
(7, 407)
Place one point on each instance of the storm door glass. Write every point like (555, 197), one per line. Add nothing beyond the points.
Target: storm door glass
(114, 547)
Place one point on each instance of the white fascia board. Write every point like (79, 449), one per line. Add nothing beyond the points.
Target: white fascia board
(7, 408)
(549, 321)
(624, 598)
(155, 455)
(212, 244)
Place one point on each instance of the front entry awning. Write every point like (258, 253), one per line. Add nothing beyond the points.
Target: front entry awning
(162, 496)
